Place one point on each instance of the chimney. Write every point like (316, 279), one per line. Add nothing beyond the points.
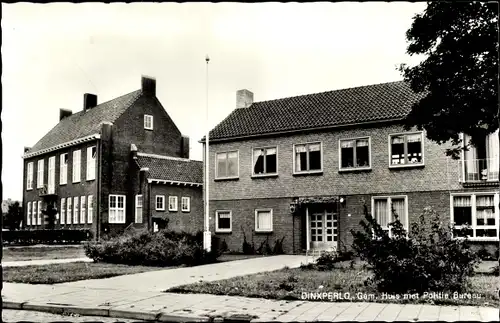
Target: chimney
(89, 101)
(26, 149)
(244, 99)
(148, 85)
(185, 147)
(63, 113)
(133, 151)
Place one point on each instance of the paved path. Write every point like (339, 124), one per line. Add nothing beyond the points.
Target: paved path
(43, 317)
(162, 280)
(40, 262)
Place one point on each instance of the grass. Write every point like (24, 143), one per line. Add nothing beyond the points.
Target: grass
(42, 252)
(61, 273)
(291, 283)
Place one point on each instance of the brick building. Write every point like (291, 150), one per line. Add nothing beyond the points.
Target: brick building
(89, 168)
(302, 168)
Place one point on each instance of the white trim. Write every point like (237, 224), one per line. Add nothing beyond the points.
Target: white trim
(65, 144)
(28, 214)
(148, 117)
(308, 230)
(176, 208)
(83, 209)
(166, 181)
(252, 166)
(137, 197)
(237, 164)
(76, 210)
(69, 210)
(115, 220)
(162, 203)
(63, 169)
(462, 158)
(405, 134)
(76, 171)
(217, 229)
(62, 207)
(188, 198)
(39, 173)
(29, 176)
(256, 220)
(90, 208)
(51, 176)
(39, 213)
(164, 157)
(389, 198)
(350, 169)
(90, 171)
(318, 171)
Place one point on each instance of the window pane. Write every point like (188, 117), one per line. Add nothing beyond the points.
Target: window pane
(362, 156)
(380, 213)
(221, 165)
(264, 220)
(112, 201)
(300, 158)
(314, 157)
(462, 215)
(232, 168)
(271, 160)
(224, 220)
(484, 200)
(414, 148)
(398, 207)
(486, 233)
(462, 201)
(258, 159)
(397, 150)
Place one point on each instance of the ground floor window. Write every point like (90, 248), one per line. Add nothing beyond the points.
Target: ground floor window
(39, 214)
(263, 220)
(475, 215)
(386, 208)
(63, 210)
(186, 204)
(116, 209)
(28, 215)
(223, 221)
(90, 202)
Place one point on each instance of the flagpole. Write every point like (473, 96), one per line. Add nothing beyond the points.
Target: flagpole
(207, 238)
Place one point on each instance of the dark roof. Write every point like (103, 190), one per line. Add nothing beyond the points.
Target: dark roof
(379, 102)
(171, 168)
(82, 124)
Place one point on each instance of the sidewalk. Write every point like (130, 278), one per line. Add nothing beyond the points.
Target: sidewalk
(169, 307)
(40, 262)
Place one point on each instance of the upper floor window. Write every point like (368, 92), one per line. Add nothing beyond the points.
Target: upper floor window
(227, 165)
(148, 122)
(475, 216)
(116, 209)
(481, 160)
(185, 204)
(39, 174)
(355, 153)
(308, 158)
(160, 203)
(384, 210)
(76, 165)
(172, 203)
(265, 161)
(29, 176)
(91, 162)
(63, 169)
(406, 149)
(52, 175)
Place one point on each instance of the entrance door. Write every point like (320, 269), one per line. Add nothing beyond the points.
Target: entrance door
(324, 230)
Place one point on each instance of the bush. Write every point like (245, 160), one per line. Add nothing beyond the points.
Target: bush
(162, 248)
(45, 236)
(429, 259)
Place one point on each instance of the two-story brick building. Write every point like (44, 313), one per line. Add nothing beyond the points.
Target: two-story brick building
(303, 167)
(95, 167)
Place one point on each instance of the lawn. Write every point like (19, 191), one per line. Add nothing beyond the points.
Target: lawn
(42, 252)
(61, 273)
(292, 283)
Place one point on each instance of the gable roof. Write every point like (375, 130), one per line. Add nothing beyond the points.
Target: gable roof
(85, 123)
(372, 103)
(171, 168)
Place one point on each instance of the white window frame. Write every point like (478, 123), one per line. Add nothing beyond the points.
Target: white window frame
(237, 164)
(63, 169)
(91, 163)
(316, 171)
(389, 198)
(421, 133)
(257, 221)
(29, 176)
(76, 213)
(83, 209)
(77, 166)
(34, 215)
(51, 180)
(162, 198)
(39, 174)
(188, 204)
(62, 206)
(176, 203)
(39, 213)
(148, 119)
(90, 208)
(69, 210)
(346, 169)
(116, 219)
(217, 229)
(252, 171)
(474, 226)
(138, 198)
(28, 214)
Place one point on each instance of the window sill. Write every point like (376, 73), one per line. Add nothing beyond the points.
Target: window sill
(172, 210)
(399, 166)
(355, 169)
(150, 129)
(162, 210)
(29, 189)
(63, 184)
(316, 172)
(90, 180)
(226, 179)
(264, 175)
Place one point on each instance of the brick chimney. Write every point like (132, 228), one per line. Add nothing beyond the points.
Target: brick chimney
(244, 99)
(26, 149)
(89, 101)
(63, 113)
(185, 147)
(148, 85)
(133, 151)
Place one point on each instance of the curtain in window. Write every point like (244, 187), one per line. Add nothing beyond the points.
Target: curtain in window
(398, 206)
(493, 155)
(414, 138)
(398, 140)
(232, 167)
(461, 201)
(221, 165)
(314, 147)
(381, 213)
(472, 169)
(258, 159)
(347, 144)
(299, 150)
(362, 143)
(264, 220)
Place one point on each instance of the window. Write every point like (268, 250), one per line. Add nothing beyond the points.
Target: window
(406, 149)
(138, 209)
(39, 174)
(29, 176)
(308, 158)
(475, 216)
(68, 210)
(63, 169)
(384, 209)
(481, 160)
(227, 165)
(172, 203)
(264, 220)
(355, 153)
(185, 204)
(160, 203)
(75, 210)
(90, 215)
(148, 122)
(223, 221)
(265, 161)
(28, 214)
(34, 213)
(39, 213)
(83, 209)
(63, 210)
(91, 162)
(117, 209)
(52, 175)
(76, 165)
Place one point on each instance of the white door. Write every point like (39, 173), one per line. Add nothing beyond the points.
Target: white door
(324, 230)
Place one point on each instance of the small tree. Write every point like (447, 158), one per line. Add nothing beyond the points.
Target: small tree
(12, 219)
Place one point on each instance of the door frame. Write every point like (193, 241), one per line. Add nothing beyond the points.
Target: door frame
(308, 229)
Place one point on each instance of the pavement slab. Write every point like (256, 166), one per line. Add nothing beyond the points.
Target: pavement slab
(40, 262)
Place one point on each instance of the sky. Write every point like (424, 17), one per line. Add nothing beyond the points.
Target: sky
(54, 53)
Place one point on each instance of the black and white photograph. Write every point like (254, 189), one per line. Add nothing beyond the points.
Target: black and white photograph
(250, 162)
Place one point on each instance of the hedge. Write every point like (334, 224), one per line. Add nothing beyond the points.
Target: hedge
(45, 236)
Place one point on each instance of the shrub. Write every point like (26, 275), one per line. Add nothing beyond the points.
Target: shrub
(484, 254)
(45, 236)
(428, 259)
(162, 248)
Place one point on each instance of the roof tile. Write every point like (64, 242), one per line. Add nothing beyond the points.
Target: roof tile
(171, 168)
